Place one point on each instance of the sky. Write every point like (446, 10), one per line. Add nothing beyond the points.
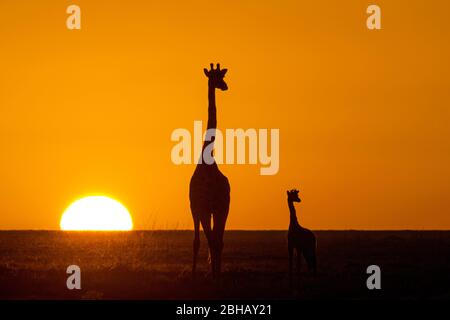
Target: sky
(363, 114)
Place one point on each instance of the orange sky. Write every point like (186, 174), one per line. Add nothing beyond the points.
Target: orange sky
(363, 115)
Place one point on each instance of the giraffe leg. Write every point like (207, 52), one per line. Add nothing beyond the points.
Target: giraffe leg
(196, 245)
(220, 219)
(299, 266)
(310, 257)
(206, 224)
(314, 263)
(291, 260)
(314, 257)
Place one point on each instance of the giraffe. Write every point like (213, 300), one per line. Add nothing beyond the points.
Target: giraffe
(209, 189)
(301, 239)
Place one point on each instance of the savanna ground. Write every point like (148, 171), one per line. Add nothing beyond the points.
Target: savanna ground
(157, 265)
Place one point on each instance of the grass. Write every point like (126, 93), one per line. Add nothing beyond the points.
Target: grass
(157, 265)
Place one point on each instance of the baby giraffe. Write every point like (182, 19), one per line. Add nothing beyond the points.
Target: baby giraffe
(300, 239)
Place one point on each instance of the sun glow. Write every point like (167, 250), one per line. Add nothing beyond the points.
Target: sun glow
(96, 213)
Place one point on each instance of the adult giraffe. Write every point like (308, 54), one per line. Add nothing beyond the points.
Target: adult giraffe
(209, 189)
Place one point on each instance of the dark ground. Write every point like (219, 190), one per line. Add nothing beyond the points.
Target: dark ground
(156, 265)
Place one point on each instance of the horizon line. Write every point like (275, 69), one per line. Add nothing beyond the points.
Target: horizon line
(247, 230)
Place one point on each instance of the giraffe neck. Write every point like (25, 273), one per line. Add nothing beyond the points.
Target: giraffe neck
(293, 215)
(212, 116)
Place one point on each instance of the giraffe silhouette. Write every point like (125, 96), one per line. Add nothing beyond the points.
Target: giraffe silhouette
(209, 189)
(300, 239)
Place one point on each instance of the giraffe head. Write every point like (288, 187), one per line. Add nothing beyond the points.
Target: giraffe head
(293, 195)
(216, 76)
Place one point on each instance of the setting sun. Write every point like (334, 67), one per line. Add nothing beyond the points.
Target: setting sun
(96, 213)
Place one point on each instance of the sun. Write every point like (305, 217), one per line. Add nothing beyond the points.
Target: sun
(96, 213)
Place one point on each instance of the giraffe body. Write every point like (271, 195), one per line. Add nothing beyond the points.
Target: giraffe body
(209, 189)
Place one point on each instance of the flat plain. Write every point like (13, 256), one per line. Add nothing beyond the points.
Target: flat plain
(157, 265)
